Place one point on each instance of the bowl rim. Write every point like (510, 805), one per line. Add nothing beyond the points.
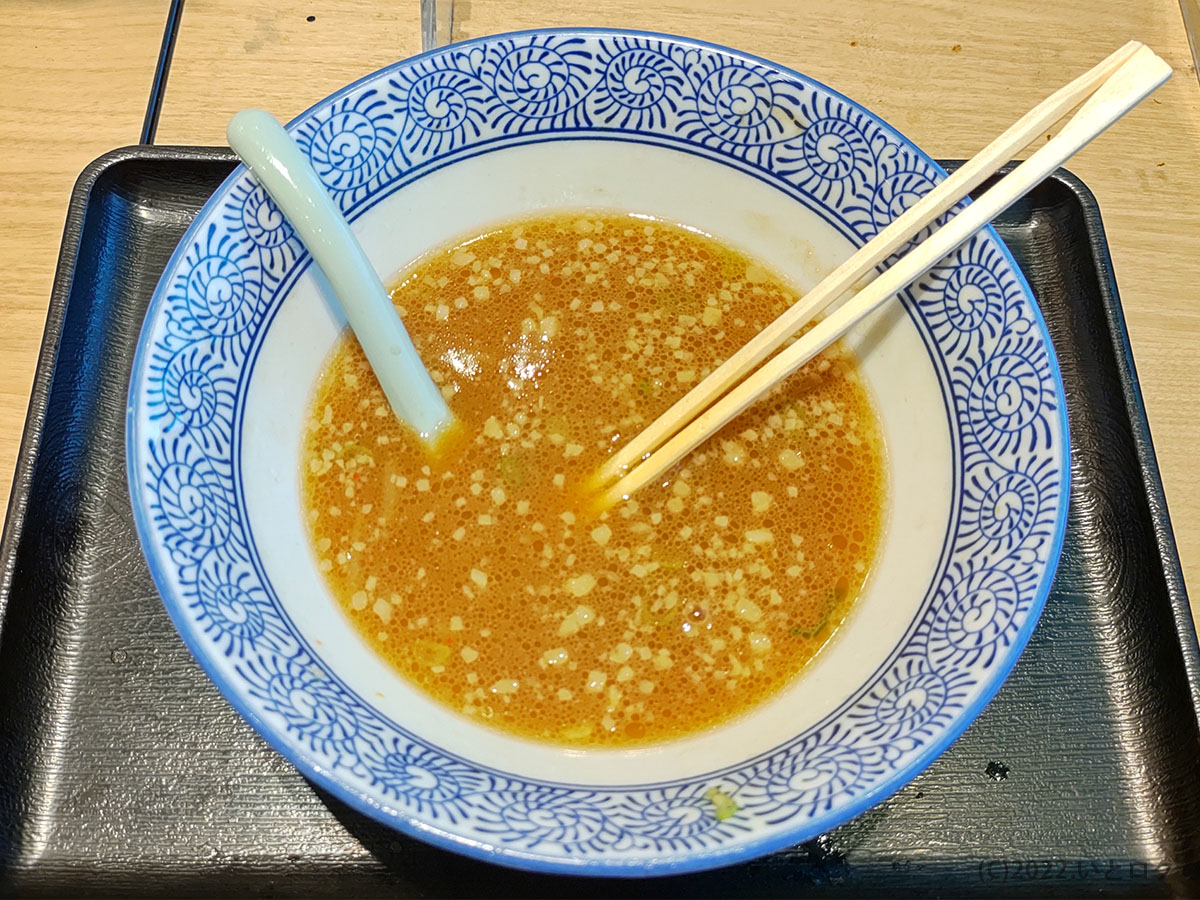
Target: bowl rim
(676, 861)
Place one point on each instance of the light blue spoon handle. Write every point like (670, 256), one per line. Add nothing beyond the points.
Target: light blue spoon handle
(281, 168)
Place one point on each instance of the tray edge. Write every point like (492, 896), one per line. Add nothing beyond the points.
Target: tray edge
(62, 286)
(60, 295)
(1135, 407)
(35, 412)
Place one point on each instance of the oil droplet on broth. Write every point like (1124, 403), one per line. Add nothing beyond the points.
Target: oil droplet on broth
(478, 574)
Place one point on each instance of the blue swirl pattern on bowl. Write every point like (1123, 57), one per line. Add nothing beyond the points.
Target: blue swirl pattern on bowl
(982, 328)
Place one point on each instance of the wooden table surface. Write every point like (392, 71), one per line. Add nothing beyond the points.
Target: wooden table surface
(75, 75)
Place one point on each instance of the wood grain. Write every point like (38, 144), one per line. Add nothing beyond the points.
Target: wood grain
(74, 78)
(234, 54)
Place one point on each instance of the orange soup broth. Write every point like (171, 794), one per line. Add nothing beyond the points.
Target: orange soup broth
(477, 571)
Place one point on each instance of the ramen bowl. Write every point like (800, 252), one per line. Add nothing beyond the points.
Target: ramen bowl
(766, 160)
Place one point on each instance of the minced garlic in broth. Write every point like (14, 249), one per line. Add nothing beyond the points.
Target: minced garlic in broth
(477, 572)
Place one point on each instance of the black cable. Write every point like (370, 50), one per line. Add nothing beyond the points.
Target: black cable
(161, 70)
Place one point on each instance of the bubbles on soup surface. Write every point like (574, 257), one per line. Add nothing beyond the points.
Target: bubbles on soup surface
(477, 573)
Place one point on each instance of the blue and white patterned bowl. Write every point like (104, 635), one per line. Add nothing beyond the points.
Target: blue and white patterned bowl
(440, 145)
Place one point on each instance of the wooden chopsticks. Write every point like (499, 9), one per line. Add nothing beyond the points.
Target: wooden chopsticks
(1107, 92)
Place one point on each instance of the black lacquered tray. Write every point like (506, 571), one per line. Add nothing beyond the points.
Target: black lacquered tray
(124, 772)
